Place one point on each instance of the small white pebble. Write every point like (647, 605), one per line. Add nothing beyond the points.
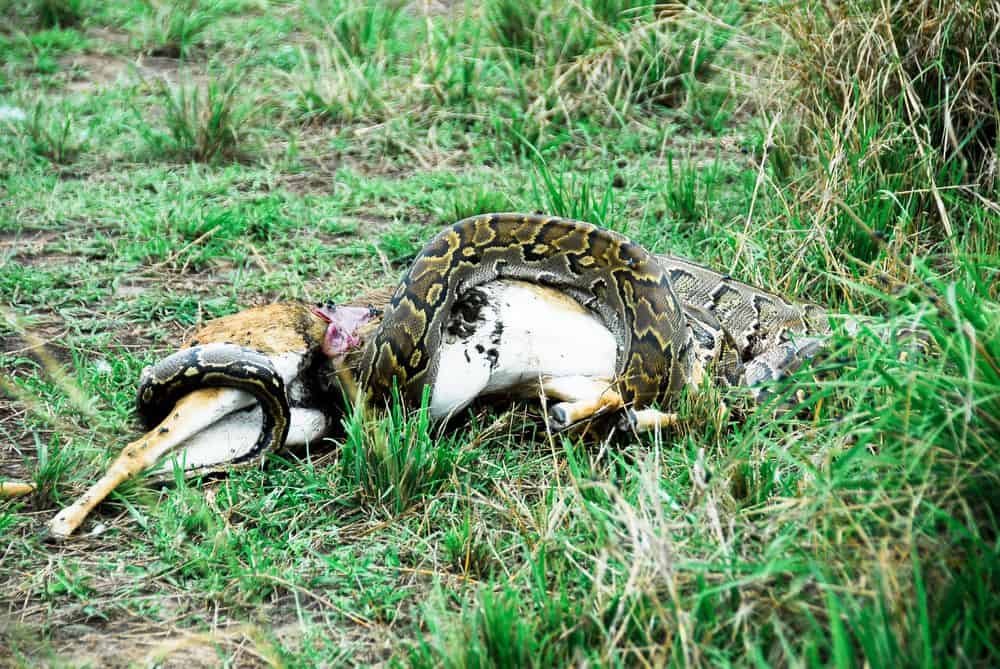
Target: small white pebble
(98, 530)
(11, 114)
(102, 366)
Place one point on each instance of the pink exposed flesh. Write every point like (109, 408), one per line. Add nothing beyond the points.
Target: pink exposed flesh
(341, 333)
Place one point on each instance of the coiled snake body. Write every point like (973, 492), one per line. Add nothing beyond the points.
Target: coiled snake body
(218, 365)
(601, 269)
(672, 319)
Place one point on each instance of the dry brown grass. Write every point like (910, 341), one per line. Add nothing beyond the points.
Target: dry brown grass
(932, 65)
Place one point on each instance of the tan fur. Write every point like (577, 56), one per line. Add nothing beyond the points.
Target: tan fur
(732, 310)
(274, 328)
(581, 398)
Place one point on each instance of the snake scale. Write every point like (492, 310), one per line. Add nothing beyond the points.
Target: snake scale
(667, 321)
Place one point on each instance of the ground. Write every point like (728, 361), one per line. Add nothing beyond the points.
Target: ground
(165, 163)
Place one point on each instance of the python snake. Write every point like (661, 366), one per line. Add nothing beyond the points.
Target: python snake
(672, 319)
(601, 269)
(668, 320)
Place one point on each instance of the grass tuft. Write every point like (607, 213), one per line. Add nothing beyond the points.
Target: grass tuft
(176, 28)
(205, 123)
(51, 134)
(27, 14)
(901, 98)
(361, 29)
(393, 459)
(575, 197)
(59, 13)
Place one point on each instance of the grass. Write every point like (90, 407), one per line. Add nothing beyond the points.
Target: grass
(176, 28)
(48, 13)
(204, 123)
(51, 134)
(168, 163)
(394, 459)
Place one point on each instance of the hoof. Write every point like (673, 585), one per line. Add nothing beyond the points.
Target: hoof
(627, 420)
(558, 418)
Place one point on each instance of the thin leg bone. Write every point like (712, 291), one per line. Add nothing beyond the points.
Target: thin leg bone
(644, 420)
(235, 434)
(583, 397)
(192, 413)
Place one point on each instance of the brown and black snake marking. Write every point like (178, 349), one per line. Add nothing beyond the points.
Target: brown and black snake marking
(604, 271)
(218, 365)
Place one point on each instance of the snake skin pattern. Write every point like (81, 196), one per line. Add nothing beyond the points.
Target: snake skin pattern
(673, 319)
(603, 270)
(746, 334)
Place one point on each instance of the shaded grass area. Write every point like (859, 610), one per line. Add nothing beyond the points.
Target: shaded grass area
(168, 162)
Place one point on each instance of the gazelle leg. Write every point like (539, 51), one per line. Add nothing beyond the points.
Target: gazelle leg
(235, 434)
(12, 489)
(644, 420)
(192, 413)
(581, 397)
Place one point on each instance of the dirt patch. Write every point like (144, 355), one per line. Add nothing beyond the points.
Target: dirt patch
(368, 157)
(80, 644)
(135, 643)
(308, 182)
(19, 442)
(24, 242)
(110, 35)
(92, 72)
(42, 259)
(172, 70)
